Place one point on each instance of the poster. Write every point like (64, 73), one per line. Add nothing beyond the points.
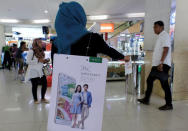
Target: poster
(77, 96)
(128, 68)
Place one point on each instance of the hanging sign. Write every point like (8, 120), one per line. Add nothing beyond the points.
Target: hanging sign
(107, 28)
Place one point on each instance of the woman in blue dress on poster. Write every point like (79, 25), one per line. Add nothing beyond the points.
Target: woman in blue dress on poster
(76, 105)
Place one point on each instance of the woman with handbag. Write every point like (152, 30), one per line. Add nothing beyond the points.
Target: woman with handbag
(73, 37)
(35, 60)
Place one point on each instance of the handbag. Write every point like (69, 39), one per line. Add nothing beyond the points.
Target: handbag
(47, 70)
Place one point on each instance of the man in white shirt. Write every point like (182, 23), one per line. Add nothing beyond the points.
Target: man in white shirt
(161, 65)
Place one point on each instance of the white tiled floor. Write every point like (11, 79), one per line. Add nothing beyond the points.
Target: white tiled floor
(18, 113)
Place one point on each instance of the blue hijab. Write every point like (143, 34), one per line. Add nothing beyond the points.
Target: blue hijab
(70, 25)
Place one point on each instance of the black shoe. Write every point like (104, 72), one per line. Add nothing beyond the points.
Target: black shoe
(143, 101)
(166, 107)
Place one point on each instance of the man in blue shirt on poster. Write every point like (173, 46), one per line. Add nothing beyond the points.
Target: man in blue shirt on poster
(87, 100)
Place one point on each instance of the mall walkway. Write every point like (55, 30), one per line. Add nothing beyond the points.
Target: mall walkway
(18, 113)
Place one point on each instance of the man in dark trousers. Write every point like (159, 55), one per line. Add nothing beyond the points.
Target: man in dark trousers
(161, 65)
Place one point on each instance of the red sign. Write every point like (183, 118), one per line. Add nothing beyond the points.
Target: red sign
(107, 27)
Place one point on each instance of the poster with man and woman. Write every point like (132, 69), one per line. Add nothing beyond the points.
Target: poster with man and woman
(78, 91)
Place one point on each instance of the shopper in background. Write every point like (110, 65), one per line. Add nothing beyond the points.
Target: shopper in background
(54, 49)
(35, 61)
(73, 37)
(161, 65)
(19, 58)
(14, 50)
(7, 58)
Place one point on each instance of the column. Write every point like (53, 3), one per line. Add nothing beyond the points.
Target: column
(180, 90)
(155, 10)
(2, 37)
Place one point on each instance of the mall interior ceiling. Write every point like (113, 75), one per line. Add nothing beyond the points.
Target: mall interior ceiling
(47, 9)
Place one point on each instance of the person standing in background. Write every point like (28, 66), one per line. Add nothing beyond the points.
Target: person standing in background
(7, 58)
(14, 50)
(161, 65)
(35, 61)
(54, 49)
(19, 57)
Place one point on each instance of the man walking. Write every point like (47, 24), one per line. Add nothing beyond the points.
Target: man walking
(87, 100)
(161, 65)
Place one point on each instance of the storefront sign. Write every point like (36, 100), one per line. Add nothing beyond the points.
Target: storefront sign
(107, 27)
(78, 91)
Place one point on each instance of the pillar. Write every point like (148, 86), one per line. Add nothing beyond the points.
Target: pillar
(155, 10)
(2, 37)
(180, 90)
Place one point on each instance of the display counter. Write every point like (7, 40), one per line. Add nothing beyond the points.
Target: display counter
(116, 69)
(135, 81)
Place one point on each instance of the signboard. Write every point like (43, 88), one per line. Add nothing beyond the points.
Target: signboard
(128, 68)
(107, 28)
(78, 91)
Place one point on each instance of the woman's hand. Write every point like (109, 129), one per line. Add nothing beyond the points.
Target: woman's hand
(44, 61)
(47, 60)
(127, 58)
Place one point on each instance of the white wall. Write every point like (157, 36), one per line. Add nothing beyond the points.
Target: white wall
(155, 10)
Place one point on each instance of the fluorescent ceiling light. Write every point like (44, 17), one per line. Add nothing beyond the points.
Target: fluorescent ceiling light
(42, 21)
(132, 15)
(9, 20)
(46, 11)
(98, 17)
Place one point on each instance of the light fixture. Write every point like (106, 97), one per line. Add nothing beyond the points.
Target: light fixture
(9, 20)
(132, 15)
(46, 11)
(42, 21)
(98, 17)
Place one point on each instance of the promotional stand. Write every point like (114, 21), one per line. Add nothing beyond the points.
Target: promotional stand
(72, 109)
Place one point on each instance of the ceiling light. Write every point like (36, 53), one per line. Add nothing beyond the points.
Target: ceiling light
(98, 17)
(9, 20)
(46, 11)
(42, 21)
(132, 15)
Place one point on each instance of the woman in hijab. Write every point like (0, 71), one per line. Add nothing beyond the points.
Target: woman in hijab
(35, 60)
(73, 37)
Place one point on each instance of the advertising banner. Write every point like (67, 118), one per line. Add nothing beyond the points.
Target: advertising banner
(78, 91)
